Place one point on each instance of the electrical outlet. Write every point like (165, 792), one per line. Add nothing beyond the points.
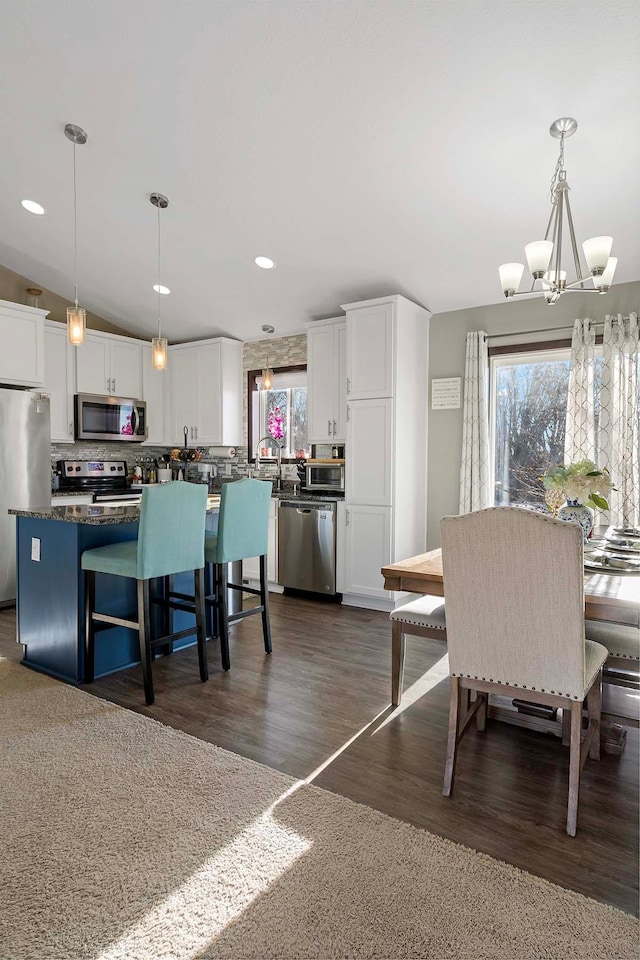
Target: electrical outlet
(227, 469)
(35, 549)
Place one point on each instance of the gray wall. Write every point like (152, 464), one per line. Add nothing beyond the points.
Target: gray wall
(446, 359)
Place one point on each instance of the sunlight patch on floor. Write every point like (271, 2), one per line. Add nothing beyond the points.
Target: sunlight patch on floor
(197, 912)
(435, 675)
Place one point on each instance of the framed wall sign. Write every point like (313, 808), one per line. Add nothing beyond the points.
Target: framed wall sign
(446, 393)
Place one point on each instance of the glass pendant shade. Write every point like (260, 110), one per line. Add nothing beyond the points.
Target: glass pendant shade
(538, 256)
(267, 379)
(596, 252)
(159, 353)
(510, 277)
(604, 281)
(76, 324)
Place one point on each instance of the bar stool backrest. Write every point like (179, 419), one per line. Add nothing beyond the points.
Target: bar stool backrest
(171, 531)
(243, 524)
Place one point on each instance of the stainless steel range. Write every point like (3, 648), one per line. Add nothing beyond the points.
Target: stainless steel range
(105, 479)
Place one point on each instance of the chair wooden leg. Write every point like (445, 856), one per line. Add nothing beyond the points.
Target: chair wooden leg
(452, 739)
(144, 634)
(210, 607)
(167, 616)
(89, 625)
(566, 726)
(264, 600)
(481, 715)
(223, 614)
(594, 709)
(397, 661)
(200, 624)
(574, 767)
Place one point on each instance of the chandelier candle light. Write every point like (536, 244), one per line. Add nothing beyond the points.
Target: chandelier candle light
(159, 343)
(544, 257)
(76, 316)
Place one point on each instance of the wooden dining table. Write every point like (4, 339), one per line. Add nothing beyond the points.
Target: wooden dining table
(615, 599)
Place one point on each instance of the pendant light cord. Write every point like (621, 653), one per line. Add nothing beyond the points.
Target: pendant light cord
(75, 228)
(159, 295)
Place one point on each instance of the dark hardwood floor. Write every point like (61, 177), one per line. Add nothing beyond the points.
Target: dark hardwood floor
(321, 700)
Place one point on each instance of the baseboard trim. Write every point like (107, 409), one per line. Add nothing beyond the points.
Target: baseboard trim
(367, 603)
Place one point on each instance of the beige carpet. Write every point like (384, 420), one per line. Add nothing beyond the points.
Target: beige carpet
(121, 839)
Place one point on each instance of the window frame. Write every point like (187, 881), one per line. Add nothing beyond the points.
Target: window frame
(251, 390)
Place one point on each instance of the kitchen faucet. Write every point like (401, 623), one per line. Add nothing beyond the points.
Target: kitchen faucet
(278, 447)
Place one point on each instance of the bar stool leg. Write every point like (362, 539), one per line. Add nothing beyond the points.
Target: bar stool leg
(200, 624)
(223, 614)
(144, 634)
(167, 616)
(264, 600)
(89, 625)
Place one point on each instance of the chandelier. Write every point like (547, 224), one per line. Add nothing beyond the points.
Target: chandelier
(544, 257)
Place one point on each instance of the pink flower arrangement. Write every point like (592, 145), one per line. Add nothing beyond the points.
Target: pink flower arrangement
(127, 429)
(275, 424)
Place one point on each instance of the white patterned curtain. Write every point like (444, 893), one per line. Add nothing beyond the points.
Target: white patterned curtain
(579, 438)
(618, 427)
(475, 488)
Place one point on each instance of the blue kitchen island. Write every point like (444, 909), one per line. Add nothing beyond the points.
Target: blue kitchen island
(50, 588)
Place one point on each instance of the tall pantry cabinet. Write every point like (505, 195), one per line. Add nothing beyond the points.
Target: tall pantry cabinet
(386, 449)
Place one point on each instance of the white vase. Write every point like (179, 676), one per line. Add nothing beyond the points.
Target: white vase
(578, 513)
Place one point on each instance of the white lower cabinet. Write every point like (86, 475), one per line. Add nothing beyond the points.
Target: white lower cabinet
(251, 566)
(367, 549)
(59, 378)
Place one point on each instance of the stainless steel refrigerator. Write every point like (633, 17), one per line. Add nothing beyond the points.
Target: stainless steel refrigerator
(25, 471)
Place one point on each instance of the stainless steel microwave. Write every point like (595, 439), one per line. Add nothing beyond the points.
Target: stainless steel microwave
(325, 475)
(110, 418)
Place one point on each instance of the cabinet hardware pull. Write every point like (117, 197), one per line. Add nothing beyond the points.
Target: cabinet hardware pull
(334, 428)
(329, 427)
(114, 384)
(71, 429)
(108, 385)
(348, 521)
(348, 413)
(196, 429)
(348, 386)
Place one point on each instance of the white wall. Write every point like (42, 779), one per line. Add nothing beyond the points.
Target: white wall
(446, 359)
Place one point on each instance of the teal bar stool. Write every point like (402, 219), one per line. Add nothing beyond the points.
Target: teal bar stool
(243, 532)
(170, 540)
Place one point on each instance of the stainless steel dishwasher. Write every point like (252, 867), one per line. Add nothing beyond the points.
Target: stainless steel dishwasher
(307, 545)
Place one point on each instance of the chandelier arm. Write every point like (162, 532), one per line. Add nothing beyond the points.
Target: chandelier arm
(553, 210)
(579, 283)
(574, 245)
(556, 284)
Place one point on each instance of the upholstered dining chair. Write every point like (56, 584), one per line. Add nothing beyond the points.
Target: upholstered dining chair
(421, 617)
(513, 580)
(170, 540)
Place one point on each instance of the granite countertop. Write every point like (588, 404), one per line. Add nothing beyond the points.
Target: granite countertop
(95, 513)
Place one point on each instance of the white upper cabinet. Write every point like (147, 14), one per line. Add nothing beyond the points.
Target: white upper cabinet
(106, 364)
(22, 336)
(154, 386)
(326, 381)
(370, 352)
(206, 392)
(59, 380)
(369, 467)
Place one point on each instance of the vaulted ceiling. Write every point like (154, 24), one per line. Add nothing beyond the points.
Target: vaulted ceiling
(367, 147)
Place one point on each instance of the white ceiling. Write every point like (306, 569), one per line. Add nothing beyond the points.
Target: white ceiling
(368, 147)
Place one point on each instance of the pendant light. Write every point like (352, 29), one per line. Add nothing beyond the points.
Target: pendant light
(267, 373)
(76, 316)
(159, 343)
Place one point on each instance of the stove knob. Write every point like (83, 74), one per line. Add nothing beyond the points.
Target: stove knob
(113, 468)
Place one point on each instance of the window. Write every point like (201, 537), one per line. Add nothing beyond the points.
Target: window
(279, 414)
(529, 393)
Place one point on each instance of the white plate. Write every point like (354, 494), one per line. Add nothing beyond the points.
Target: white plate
(592, 564)
(614, 546)
(632, 532)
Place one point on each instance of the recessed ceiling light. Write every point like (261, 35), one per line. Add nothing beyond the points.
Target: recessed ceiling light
(33, 207)
(159, 288)
(265, 262)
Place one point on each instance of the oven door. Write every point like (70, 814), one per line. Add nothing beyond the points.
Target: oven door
(325, 476)
(110, 418)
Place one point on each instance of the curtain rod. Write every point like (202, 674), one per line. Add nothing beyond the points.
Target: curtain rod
(522, 333)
